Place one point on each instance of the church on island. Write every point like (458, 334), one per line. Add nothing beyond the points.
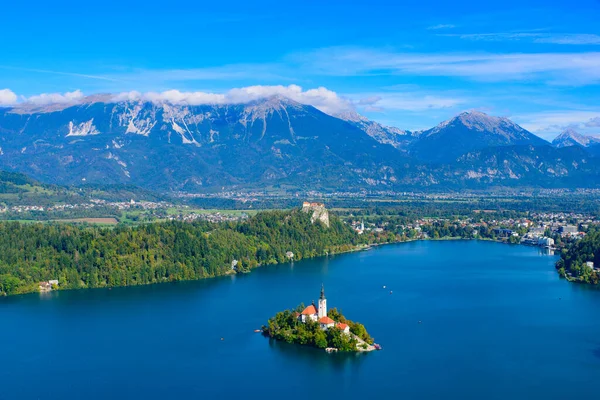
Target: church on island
(320, 315)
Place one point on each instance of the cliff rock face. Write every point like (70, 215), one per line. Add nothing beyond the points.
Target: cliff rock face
(319, 212)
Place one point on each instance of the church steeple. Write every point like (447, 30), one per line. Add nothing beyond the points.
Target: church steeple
(322, 303)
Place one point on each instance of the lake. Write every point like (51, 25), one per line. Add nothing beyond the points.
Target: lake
(497, 322)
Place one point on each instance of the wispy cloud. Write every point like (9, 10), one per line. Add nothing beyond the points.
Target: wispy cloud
(441, 26)
(45, 71)
(581, 39)
(407, 101)
(559, 68)
(556, 68)
(548, 124)
(267, 72)
(593, 123)
(535, 37)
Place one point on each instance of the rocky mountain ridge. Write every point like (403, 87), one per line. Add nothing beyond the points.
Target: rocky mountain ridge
(570, 137)
(272, 143)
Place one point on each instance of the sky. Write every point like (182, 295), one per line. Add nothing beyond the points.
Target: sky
(409, 64)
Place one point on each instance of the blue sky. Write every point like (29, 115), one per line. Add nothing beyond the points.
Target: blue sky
(407, 64)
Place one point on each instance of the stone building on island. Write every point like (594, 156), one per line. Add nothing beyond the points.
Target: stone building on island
(319, 314)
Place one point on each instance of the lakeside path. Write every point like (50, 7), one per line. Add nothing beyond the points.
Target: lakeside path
(361, 342)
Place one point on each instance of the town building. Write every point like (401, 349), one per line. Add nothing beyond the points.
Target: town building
(545, 242)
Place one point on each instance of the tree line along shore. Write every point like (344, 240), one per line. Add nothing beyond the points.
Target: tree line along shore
(33, 257)
(92, 257)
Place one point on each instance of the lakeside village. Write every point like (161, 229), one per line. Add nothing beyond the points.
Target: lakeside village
(548, 230)
(316, 327)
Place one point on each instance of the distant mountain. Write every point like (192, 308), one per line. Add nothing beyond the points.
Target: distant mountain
(272, 144)
(572, 138)
(383, 134)
(534, 166)
(265, 143)
(468, 132)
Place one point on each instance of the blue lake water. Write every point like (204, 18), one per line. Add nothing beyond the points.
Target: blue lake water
(496, 323)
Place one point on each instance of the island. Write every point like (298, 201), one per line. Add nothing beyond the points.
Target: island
(315, 326)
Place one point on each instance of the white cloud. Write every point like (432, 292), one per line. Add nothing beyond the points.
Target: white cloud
(550, 123)
(55, 98)
(7, 97)
(321, 98)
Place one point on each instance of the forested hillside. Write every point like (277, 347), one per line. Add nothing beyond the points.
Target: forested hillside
(573, 260)
(89, 257)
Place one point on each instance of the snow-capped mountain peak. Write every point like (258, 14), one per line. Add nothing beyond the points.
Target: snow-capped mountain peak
(570, 137)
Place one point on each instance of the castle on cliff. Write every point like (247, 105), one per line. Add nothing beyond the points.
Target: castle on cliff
(318, 210)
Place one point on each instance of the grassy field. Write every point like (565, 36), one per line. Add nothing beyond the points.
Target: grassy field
(98, 221)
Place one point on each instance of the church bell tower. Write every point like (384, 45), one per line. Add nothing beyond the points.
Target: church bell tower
(322, 303)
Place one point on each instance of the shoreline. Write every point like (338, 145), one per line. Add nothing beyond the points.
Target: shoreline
(358, 248)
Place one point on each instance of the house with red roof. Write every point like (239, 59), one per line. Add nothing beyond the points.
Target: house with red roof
(309, 312)
(326, 323)
(343, 327)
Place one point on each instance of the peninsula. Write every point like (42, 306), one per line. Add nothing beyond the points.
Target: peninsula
(315, 326)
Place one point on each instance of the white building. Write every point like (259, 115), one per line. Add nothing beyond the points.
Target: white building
(319, 314)
(309, 312)
(546, 242)
(326, 323)
(590, 264)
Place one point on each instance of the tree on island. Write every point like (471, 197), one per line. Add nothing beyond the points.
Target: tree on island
(285, 326)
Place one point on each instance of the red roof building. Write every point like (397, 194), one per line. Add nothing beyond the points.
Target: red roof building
(310, 310)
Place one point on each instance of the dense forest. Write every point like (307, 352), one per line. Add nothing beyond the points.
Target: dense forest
(573, 261)
(286, 326)
(89, 257)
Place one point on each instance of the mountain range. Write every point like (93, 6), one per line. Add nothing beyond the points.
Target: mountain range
(277, 143)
